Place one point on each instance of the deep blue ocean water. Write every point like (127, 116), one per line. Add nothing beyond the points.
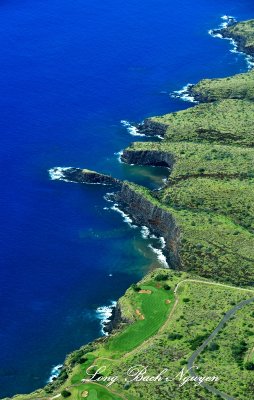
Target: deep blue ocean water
(69, 73)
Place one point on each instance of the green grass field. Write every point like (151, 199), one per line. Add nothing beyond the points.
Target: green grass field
(154, 309)
(227, 121)
(95, 392)
(214, 196)
(240, 86)
(244, 33)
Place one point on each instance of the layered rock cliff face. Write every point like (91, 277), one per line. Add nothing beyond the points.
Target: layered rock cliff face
(148, 157)
(152, 128)
(142, 210)
(158, 220)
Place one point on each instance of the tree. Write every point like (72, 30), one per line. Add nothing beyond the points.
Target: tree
(161, 277)
(135, 287)
(65, 393)
(249, 365)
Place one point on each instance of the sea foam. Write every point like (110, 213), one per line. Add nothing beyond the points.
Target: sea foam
(184, 94)
(125, 216)
(119, 155)
(104, 314)
(227, 21)
(145, 232)
(57, 174)
(161, 258)
(55, 372)
(133, 130)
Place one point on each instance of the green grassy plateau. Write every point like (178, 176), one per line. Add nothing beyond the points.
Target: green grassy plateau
(240, 86)
(226, 121)
(243, 34)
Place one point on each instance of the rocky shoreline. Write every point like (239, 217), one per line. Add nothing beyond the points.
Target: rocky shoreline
(143, 212)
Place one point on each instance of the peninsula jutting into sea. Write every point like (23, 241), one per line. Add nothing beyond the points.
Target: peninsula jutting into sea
(194, 318)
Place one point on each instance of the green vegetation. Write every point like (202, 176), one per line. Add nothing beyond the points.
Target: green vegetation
(216, 196)
(240, 86)
(228, 121)
(187, 328)
(200, 159)
(235, 355)
(150, 311)
(176, 327)
(92, 392)
(211, 244)
(243, 33)
(65, 393)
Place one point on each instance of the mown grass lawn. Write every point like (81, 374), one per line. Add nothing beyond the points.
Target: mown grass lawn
(95, 392)
(155, 311)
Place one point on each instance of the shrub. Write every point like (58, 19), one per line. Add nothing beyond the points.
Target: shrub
(175, 336)
(213, 347)
(249, 365)
(166, 287)
(135, 287)
(161, 277)
(83, 360)
(65, 393)
(239, 350)
(197, 341)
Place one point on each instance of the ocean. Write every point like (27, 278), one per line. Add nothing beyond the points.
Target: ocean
(70, 72)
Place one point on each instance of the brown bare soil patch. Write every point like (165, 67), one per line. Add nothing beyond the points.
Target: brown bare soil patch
(85, 393)
(145, 291)
(139, 314)
(167, 301)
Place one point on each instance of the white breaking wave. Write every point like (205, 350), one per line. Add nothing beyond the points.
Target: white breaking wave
(133, 130)
(55, 372)
(104, 314)
(227, 21)
(184, 94)
(162, 259)
(145, 232)
(108, 197)
(126, 217)
(250, 62)
(119, 155)
(57, 174)
(215, 35)
(163, 242)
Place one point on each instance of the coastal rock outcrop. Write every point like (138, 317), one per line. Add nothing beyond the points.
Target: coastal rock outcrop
(116, 320)
(79, 175)
(152, 128)
(158, 220)
(241, 33)
(148, 157)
